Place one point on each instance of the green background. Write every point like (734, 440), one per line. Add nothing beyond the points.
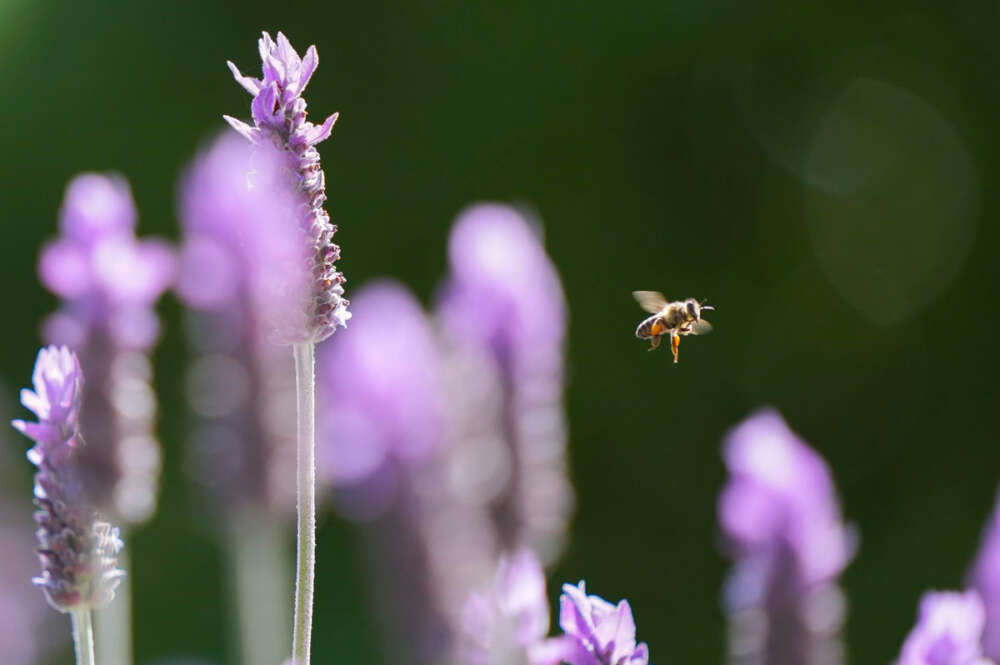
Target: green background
(659, 141)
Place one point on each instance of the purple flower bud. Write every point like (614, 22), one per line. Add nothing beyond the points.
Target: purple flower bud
(948, 630)
(509, 623)
(382, 387)
(279, 115)
(503, 306)
(76, 549)
(600, 633)
(781, 520)
(110, 281)
(985, 578)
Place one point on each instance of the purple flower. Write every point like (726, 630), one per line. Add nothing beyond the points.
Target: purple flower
(985, 578)
(109, 281)
(781, 520)
(382, 389)
(502, 309)
(600, 633)
(780, 496)
(76, 549)
(509, 623)
(240, 384)
(279, 116)
(948, 630)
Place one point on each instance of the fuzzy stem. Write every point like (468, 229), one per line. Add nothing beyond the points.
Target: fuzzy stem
(113, 624)
(83, 636)
(305, 560)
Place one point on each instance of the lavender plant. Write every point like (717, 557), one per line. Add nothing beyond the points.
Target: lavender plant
(311, 289)
(948, 632)
(514, 319)
(109, 282)
(381, 426)
(77, 548)
(239, 383)
(781, 520)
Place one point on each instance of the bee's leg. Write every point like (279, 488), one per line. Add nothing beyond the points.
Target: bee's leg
(655, 342)
(675, 345)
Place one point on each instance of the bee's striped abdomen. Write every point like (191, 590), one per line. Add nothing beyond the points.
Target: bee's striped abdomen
(651, 327)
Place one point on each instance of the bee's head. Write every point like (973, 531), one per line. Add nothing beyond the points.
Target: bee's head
(695, 308)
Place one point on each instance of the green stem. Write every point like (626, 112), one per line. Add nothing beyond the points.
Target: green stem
(305, 560)
(83, 636)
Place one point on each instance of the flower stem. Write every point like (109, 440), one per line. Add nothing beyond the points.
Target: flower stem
(83, 636)
(305, 560)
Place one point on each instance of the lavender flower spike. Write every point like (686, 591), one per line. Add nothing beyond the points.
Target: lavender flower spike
(76, 549)
(600, 633)
(948, 631)
(279, 116)
(782, 524)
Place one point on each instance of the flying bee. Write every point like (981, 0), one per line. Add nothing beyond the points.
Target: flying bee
(681, 317)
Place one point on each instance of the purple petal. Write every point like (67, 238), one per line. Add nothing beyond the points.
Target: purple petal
(319, 133)
(618, 632)
(249, 83)
(263, 105)
(265, 45)
(573, 614)
(287, 54)
(309, 64)
(246, 131)
(641, 655)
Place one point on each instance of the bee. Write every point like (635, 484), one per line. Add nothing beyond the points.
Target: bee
(681, 317)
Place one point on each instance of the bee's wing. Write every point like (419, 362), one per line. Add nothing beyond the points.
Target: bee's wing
(651, 301)
(700, 327)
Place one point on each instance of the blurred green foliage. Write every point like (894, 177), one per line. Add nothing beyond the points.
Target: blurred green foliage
(657, 139)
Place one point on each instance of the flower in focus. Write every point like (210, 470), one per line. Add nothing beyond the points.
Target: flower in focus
(599, 633)
(279, 117)
(948, 631)
(109, 281)
(781, 520)
(76, 549)
(508, 624)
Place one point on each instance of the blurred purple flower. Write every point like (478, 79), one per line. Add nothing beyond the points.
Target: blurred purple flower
(503, 306)
(279, 115)
(381, 388)
(781, 520)
(110, 281)
(600, 633)
(508, 624)
(948, 630)
(985, 578)
(241, 385)
(76, 549)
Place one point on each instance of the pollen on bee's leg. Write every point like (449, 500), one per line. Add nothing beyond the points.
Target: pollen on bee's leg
(675, 345)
